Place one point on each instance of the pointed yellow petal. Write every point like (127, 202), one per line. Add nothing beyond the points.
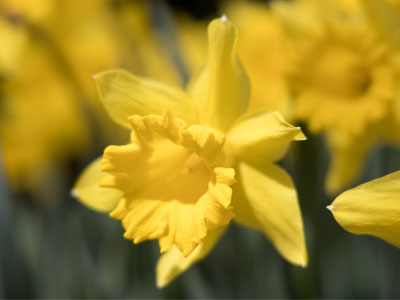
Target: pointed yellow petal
(124, 94)
(88, 191)
(348, 154)
(221, 89)
(173, 263)
(266, 199)
(371, 208)
(262, 136)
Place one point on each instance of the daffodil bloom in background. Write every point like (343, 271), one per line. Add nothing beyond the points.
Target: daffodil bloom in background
(345, 81)
(385, 14)
(175, 181)
(372, 208)
(51, 49)
(261, 49)
(39, 111)
(43, 98)
(34, 12)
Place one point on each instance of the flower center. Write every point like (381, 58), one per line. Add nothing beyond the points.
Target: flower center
(177, 173)
(193, 163)
(340, 71)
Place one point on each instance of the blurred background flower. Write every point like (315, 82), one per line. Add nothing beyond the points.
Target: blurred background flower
(345, 81)
(332, 66)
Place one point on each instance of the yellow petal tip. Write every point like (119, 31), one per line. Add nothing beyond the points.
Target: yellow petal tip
(330, 207)
(160, 285)
(94, 76)
(300, 135)
(74, 193)
(303, 264)
(224, 18)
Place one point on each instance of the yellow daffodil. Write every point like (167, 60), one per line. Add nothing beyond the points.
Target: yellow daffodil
(86, 36)
(372, 208)
(39, 111)
(345, 82)
(175, 181)
(51, 49)
(260, 49)
(55, 133)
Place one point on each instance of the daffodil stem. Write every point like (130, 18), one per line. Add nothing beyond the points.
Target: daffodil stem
(309, 169)
(6, 218)
(291, 290)
(5, 203)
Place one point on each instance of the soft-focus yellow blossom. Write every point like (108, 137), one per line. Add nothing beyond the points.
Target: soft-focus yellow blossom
(82, 33)
(42, 98)
(87, 37)
(33, 11)
(372, 208)
(177, 175)
(51, 49)
(39, 119)
(307, 15)
(260, 49)
(13, 38)
(385, 14)
(345, 81)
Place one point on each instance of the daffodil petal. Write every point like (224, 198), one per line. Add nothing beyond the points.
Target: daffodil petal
(371, 208)
(262, 136)
(348, 153)
(124, 94)
(88, 191)
(265, 199)
(221, 89)
(173, 263)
